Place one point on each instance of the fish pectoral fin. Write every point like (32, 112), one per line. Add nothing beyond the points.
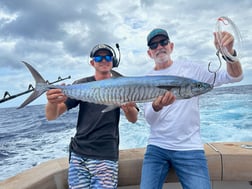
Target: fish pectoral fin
(115, 73)
(109, 108)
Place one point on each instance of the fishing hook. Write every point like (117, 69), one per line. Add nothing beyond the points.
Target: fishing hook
(220, 63)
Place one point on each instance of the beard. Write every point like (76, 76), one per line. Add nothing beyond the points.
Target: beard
(161, 56)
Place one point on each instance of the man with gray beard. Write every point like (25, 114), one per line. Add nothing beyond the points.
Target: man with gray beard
(174, 139)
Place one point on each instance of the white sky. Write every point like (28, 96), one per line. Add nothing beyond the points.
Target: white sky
(56, 36)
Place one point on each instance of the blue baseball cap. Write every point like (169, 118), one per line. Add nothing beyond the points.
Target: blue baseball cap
(155, 32)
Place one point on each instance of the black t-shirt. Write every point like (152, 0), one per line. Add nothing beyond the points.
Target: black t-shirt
(97, 133)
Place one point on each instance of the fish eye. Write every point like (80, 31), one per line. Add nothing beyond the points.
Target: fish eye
(199, 85)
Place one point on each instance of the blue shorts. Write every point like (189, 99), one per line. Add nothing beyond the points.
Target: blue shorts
(85, 173)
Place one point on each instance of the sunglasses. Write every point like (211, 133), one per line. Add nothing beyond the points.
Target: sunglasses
(162, 42)
(100, 58)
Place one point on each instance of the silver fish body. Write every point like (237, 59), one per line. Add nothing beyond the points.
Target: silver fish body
(134, 89)
(119, 89)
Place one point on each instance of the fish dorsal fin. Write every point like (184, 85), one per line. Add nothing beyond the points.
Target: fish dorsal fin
(116, 74)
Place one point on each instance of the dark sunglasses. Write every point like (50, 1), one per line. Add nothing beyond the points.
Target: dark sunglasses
(100, 58)
(162, 42)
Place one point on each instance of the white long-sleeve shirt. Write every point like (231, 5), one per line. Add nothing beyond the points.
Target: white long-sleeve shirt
(177, 126)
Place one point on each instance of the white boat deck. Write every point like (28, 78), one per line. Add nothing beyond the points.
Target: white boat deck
(229, 166)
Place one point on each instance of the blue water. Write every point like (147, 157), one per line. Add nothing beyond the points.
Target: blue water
(27, 138)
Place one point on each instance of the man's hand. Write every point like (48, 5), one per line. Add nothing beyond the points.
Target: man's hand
(224, 39)
(161, 101)
(55, 96)
(126, 107)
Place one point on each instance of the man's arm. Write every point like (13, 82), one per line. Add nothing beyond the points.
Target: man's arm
(131, 111)
(234, 68)
(55, 105)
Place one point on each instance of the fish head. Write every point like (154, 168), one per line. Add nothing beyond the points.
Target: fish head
(198, 88)
(191, 89)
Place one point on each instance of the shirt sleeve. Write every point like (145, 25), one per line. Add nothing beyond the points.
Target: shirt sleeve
(71, 103)
(222, 76)
(150, 115)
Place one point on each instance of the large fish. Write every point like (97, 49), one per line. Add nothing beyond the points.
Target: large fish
(119, 90)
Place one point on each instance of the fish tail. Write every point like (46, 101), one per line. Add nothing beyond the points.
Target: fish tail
(41, 86)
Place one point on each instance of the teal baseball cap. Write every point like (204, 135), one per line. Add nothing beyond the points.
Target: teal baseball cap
(155, 32)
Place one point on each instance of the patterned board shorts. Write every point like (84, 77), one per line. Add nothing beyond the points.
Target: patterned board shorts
(85, 173)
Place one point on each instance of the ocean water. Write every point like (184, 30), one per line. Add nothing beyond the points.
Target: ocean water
(28, 139)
